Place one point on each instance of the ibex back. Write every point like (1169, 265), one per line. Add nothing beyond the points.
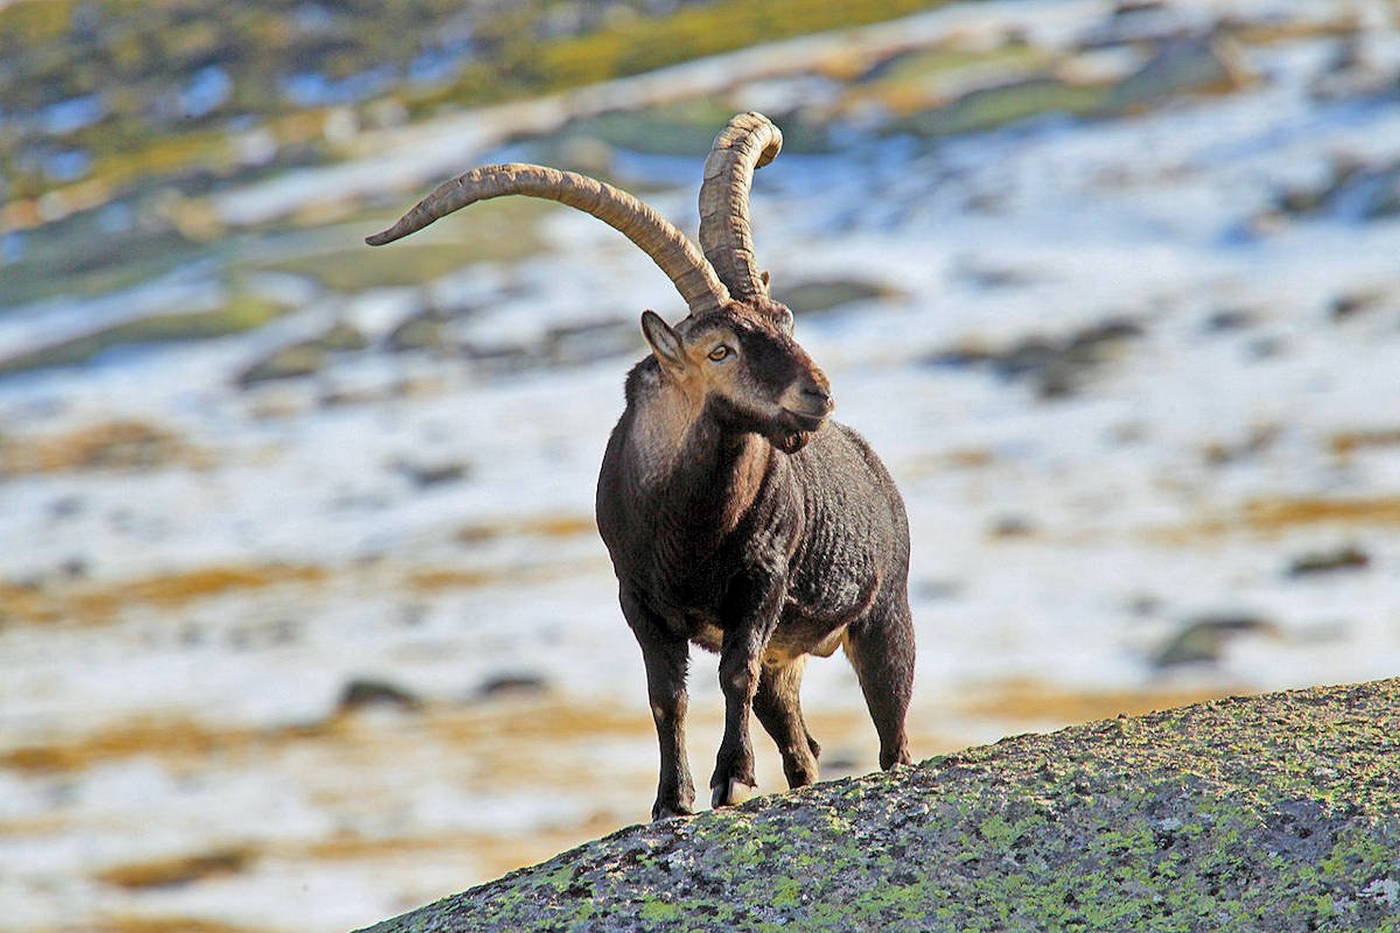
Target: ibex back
(737, 515)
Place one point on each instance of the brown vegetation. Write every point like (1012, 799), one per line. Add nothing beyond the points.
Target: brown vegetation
(1278, 514)
(173, 924)
(117, 445)
(171, 872)
(96, 603)
(171, 740)
(1031, 701)
(542, 526)
(1351, 442)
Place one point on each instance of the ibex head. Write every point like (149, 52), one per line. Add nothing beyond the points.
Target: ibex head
(746, 369)
(734, 352)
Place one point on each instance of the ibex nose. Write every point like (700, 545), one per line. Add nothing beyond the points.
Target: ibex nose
(818, 396)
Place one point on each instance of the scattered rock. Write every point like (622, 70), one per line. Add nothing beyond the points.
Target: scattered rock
(240, 314)
(986, 275)
(361, 693)
(342, 338)
(1149, 24)
(424, 476)
(118, 445)
(1228, 320)
(1267, 347)
(425, 331)
(819, 295)
(305, 357)
(1347, 443)
(564, 345)
(291, 362)
(1349, 557)
(1210, 64)
(1013, 526)
(66, 507)
(74, 568)
(1203, 641)
(987, 108)
(1353, 303)
(930, 590)
(1260, 439)
(262, 635)
(498, 359)
(513, 685)
(1137, 7)
(1058, 367)
(1145, 605)
(179, 871)
(573, 344)
(1352, 72)
(1354, 190)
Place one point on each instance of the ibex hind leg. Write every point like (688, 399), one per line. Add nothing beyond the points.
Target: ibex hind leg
(778, 706)
(881, 649)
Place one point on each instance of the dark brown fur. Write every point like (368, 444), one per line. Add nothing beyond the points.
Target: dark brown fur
(740, 519)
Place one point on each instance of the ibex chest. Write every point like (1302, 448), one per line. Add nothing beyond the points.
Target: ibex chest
(701, 591)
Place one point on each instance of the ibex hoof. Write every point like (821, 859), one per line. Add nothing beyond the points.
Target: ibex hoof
(660, 812)
(731, 794)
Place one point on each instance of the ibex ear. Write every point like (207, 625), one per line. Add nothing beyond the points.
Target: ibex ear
(664, 340)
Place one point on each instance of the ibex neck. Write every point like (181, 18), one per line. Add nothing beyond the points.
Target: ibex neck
(688, 466)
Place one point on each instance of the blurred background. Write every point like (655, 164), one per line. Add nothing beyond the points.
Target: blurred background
(303, 617)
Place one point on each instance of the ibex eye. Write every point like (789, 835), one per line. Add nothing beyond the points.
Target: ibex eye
(720, 352)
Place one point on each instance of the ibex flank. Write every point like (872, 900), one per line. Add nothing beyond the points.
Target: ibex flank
(738, 516)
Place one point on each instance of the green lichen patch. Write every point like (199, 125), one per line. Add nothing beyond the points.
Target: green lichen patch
(1271, 813)
(507, 230)
(240, 313)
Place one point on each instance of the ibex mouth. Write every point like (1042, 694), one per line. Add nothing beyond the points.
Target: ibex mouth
(798, 429)
(805, 421)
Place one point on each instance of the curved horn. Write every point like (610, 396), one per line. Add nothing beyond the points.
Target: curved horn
(670, 249)
(748, 141)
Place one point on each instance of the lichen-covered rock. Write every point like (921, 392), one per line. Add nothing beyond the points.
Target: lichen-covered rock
(1272, 813)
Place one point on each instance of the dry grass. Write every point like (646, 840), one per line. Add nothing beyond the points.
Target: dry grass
(1030, 701)
(1348, 443)
(1276, 516)
(436, 580)
(493, 854)
(1266, 515)
(170, 740)
(540, 722)
(178, 870)
(86, 602)
(91, 603)
(534, 722)
(117, 445)
(539, 526)
(960, 459)
(171, 924)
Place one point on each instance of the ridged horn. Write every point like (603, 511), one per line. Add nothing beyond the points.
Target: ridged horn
(670, 249)
(748, 142)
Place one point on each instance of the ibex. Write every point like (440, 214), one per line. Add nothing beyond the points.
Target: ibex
(737, 515)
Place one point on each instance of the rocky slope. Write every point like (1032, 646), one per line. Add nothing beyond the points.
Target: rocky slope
(1268, 813)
